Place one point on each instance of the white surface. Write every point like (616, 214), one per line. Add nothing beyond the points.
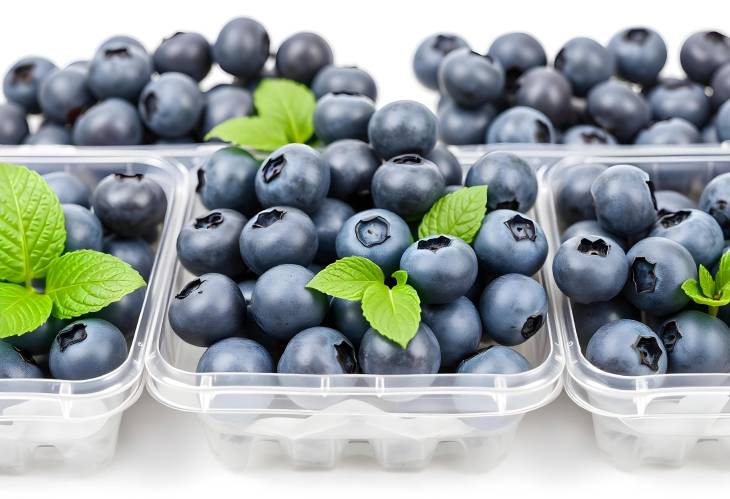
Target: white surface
(161, 451)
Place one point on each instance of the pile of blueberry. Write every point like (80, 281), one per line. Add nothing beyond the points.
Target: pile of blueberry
(592, 94)
(625, 255)
(120, 217)
(273, 225)
(124, 95)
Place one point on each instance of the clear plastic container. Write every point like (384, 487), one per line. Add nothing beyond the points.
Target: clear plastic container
(651, 419)
(403, 421)
(75, 423)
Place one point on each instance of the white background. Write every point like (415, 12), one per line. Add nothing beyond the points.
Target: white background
(162, 452)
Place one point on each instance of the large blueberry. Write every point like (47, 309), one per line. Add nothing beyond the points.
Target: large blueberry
(495, 359)
(184, 52)
(83, 229)
(340, 116)
(407, 185)
(171, 105)
(657, 269)
(585, 63)
(278, 235)
(696, 343)
(628, 348)
(429, 55)
(675, 98)
(470, 79)
(572, 192)
(702, 53)
(87, 348)
(208, 309)
(640, 54)
(119, 69)
(16, 364)
(509, 242)
(402, 127)
(64, 95)
(23, 80)
(235, 355)
(512, 182)
(513, 308)
(282, 305)
(294, 175)
(623, 197)
(517, 53)
(457, 327)
(546, 90)
(618, 109)
(352, 164)
(521, 124)
(344, 79)
(113, 122)
(227, 180)
(318, 350)
(302, 55)
(697, 231)
(209, 244)
(379, 355)
(588, 318)
(242, 48)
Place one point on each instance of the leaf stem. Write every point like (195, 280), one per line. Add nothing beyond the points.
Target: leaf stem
(713, 310)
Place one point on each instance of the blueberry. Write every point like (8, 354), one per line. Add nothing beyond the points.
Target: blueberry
(378, 235)
(64, 96)
(441, 268)
(722, 122)
(447, 164)
(301, 56)
(640, 54)
(462, 126)
(521, 124)
(457, 327)
(81, 65)
(242, 48)
(294, 175)
(709, 134)
(171, 105)
(627, 347)
(657, 269)
(223, 103)
(588, 318)
(573, 192)
(113, 122)
(697, 231)
(188, 53)
(702, 53)
(590, 269)
(585, 63)
(379, 355)
(696, 343)
(68, 188)
(85, 349)
(49, 133)
(13, 124)
(590, 228)
(429, 55)
(124, 313)
(209, 244)
(208, 309)
(38, 341)
(117, 40)
(347, 317)
(407, 185)
(615, 107)
(227, 180)
(671, 201)
(129, 204)
(23, 79)
(276, 236)
(282, 305)
(548, 91)
(83, 229)
(16, 364)
(136, 252)
(510, 243)
(623, 197)
(344, 79)
(352, 164)
(721, 86)
(675, 98)
(587, 135)
(318, 350)
(715, 200)
(470, 79)
(495, 359)
(513, 308)
(342, 116)
(328, 221)
(119, 69)
(402, 127)
(512, 182)
(235, 355)
(674, 131)
(517, 53)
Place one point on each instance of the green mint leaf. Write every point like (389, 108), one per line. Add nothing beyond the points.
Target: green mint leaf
(459, 214)
(692, 289)
(722, 278)
(21, 309)
(86, 281)
(347, 278)
(255, 132)
(707, 283)
(393, 312)
(32, 232)
(288, 103)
